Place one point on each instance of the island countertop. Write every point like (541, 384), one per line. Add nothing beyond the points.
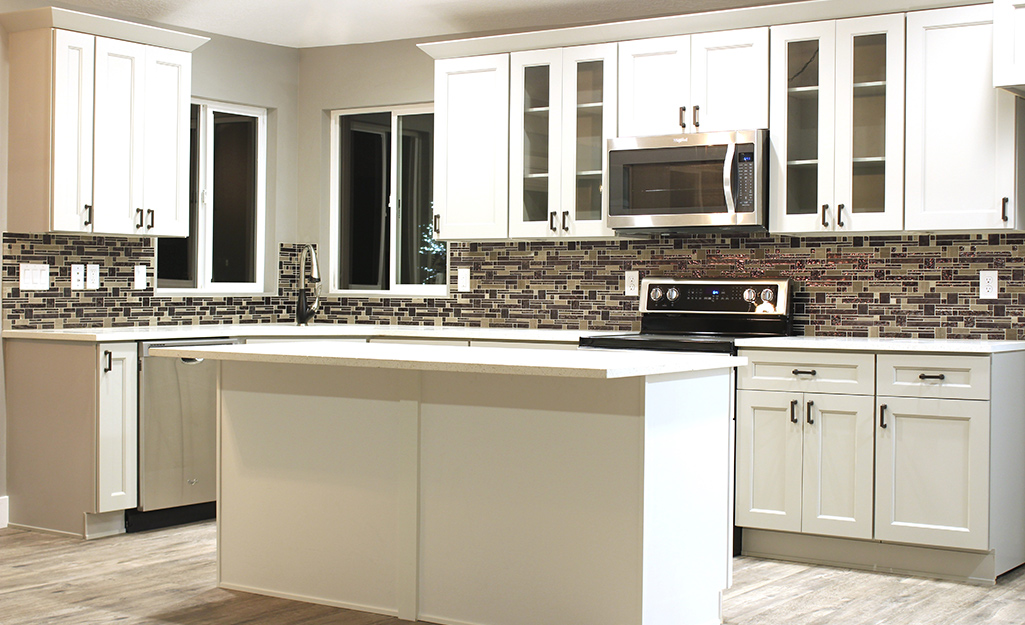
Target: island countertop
(580, 363)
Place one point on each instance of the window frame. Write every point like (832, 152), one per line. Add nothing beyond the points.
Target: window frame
(203, 244)
(334, 209)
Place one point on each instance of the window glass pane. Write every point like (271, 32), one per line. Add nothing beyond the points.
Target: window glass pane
(176, 257)
(365, 146)
(421, 259)
(234, 197)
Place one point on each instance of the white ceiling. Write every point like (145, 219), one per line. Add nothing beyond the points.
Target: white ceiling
(310, 23)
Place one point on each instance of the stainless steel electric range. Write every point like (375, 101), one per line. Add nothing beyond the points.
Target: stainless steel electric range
(705, 315)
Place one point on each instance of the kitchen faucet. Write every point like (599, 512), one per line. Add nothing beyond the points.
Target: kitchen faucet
(302, 313)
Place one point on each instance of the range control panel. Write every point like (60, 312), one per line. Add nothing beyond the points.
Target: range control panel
(770, 297)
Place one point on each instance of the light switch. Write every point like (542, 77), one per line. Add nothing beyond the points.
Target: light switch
(92, 276)
(463, 279)
(77, 277)
(33, 277)
(140, 277)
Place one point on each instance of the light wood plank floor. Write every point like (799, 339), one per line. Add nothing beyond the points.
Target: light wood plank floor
(167, 576)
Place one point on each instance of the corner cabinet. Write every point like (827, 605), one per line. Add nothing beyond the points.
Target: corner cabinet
(72, 419)
(961, 133)
(563, 110)
(837, 125)
(893, 461)
(471, 150)
(1009, 45)
(117, 159)
(705, 82)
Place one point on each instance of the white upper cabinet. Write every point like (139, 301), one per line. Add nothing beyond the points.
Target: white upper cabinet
(836, 129)
(562, 113)
(961, 132)
(471, 157)
(1009, 45)
(694, 83)
(116, 161)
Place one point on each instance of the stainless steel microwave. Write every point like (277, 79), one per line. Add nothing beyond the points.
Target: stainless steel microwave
(689, 181)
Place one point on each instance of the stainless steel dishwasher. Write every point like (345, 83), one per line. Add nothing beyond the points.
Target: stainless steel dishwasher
(177, 427)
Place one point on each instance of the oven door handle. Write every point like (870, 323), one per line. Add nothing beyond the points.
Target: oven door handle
(727, 175)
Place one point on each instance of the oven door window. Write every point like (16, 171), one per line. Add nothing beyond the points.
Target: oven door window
(670, 181)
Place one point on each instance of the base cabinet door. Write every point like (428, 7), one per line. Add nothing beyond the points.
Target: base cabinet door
(769, 460)
(117, 427)
(932, 472)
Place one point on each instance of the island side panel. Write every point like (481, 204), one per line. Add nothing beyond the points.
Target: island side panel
(317, 484)
(531, 498)
(688, 491)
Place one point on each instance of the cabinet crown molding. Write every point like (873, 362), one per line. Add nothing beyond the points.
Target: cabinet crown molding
(53, 17)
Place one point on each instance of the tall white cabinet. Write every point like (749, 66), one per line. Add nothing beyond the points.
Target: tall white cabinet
(837, 125)
(961, 133)
(694, 83)
(100, 138)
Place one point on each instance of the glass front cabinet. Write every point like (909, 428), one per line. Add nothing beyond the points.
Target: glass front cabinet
(562, 113)
(836, 125)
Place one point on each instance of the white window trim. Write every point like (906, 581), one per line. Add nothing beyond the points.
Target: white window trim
(334, 246)
(204, 257)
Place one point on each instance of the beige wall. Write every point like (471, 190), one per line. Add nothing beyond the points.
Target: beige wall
(3, 227)
(340, 77)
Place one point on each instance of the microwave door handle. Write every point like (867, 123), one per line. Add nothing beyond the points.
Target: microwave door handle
(727, 177)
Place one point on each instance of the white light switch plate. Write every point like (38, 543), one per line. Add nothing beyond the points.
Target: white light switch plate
(33, 277)
(92, 276)
(140, 277)
(77, 277)
(463, 279)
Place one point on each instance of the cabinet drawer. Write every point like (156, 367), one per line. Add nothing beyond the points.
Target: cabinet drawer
(944, 377)
(808, 371)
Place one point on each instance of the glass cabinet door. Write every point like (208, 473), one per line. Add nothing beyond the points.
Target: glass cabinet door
(869, 122)
(536, 100)
(801, 127)
(589, 120)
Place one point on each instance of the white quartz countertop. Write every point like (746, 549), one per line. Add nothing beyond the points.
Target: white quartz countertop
(933, 346)
(283, 330)
(579, 363)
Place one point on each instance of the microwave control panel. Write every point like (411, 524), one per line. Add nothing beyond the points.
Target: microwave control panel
(745, 184)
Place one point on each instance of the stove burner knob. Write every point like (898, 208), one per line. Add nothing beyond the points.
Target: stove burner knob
(749, 296)
(768, 295)
(655, 294)
(672, 294)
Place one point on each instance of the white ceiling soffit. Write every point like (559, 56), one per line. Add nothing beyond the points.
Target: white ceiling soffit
(312, 23)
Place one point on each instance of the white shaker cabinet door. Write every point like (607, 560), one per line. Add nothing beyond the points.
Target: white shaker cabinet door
(1009, 45)
(73, 131)
(932, 472)
(960, 130)
(166, 181)
(117, 427)
(471, 157)
(119, 142)
(769, 450)
(730, 80)
(654, 86)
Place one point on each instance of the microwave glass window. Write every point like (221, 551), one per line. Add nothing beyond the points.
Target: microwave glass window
(802, 140)
(590, 146)
(868, 175)
(683, 188)
(536, 112)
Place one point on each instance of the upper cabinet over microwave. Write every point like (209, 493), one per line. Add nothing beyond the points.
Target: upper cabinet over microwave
(102, 139)
(707, 82)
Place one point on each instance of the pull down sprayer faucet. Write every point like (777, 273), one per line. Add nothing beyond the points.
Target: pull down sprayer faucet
(302, 313)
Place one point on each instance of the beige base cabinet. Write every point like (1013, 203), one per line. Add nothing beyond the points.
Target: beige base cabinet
(72, 425)
(941, 492)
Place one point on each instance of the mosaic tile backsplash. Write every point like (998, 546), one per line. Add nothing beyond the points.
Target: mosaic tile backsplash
(880, 285)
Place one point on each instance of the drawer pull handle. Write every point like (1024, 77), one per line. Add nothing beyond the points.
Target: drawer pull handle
(793, 411)
(808, 409)
(882, 416)
(804, 372)
(938, 376)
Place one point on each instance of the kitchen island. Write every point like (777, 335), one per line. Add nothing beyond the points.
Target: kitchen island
(476, 485)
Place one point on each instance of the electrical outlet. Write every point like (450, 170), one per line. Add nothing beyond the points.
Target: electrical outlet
(92, 277)
(463, 279)
(140, 277)
(633, 281)
(988, 288)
